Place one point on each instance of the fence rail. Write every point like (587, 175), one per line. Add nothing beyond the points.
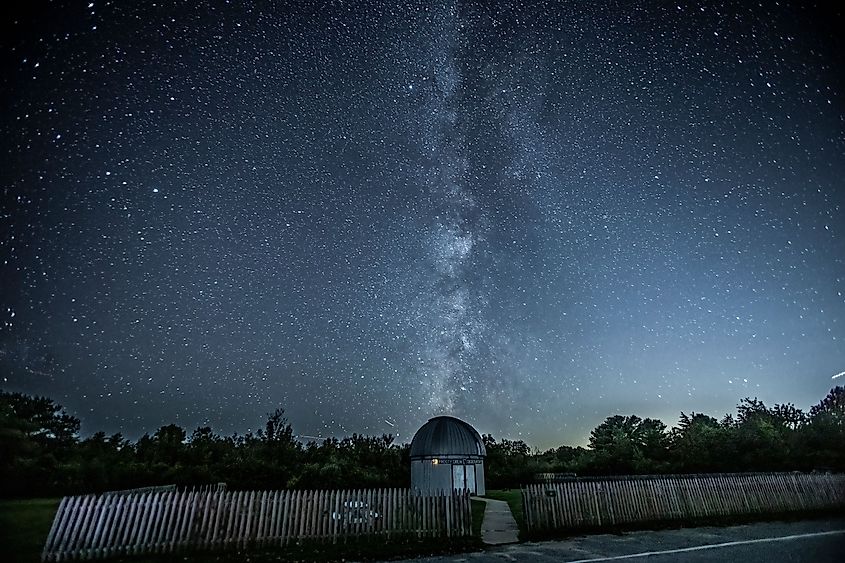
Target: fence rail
(156, 489)
(617, 501)
(94, 526)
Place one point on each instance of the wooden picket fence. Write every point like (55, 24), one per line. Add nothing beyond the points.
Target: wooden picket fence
(95, 526)
(610, 502)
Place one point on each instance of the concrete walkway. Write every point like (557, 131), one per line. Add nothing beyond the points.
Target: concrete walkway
(498, 526)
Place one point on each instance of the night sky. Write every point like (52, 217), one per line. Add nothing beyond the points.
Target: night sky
(531, 215)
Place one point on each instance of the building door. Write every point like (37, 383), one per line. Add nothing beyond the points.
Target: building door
(459, 477)
(470, 473)
(463, 477)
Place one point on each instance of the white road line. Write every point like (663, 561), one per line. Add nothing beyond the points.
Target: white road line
(708, 546)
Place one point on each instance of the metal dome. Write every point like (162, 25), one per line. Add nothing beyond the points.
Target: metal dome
(445, 436)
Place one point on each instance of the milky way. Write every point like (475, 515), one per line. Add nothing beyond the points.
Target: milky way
(530, 215)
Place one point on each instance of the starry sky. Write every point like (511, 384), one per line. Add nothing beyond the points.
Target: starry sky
(531, 215)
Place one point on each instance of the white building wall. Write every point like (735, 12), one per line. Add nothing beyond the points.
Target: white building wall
(427, 476)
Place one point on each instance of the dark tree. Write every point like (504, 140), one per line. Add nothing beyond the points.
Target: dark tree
(628, 444)
(698, 444)
(37, 436)
(823, 438)
(40, 419)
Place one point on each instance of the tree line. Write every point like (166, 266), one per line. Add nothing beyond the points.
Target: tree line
(42, 454)
(756, 438)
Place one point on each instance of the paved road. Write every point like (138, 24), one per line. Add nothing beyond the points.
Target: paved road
(816, 541)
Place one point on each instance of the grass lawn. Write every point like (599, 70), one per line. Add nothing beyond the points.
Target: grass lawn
(478, 507)
(514, 499)
(24, 525)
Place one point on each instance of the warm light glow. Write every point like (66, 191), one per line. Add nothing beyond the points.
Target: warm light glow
(435, 461)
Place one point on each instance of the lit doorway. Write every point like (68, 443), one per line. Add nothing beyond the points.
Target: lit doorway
(463, 477)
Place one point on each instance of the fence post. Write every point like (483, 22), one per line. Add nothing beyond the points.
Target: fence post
(54, 528)
(65, 526)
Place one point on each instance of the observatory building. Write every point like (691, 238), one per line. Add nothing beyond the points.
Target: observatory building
(446, 454)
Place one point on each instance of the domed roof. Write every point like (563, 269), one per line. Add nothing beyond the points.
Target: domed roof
(447, 435)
